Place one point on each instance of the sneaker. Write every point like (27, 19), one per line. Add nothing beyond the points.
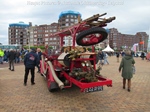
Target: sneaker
(33, 83)
(13, 70)
(128, 90)
(25, 84)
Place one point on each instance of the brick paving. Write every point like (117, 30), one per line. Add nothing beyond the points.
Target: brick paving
(14, 97)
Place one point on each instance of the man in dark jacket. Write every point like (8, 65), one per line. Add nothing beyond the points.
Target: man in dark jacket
(11, 58)
(30, 61)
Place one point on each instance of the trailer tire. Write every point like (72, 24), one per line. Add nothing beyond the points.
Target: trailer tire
(53, 87)
(92, 41)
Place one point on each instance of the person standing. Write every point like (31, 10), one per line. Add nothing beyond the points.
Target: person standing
(142, 55)
(117, 56)
(11, 58)
(1, 56)
(39, 56)
(101, 57)
(126, 66)
(105, 58)
(17, 60)
(6, 55)
(30, 61)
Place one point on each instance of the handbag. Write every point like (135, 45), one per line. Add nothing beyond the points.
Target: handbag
(133, 69)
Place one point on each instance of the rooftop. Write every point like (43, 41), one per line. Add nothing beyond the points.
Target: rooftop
(21, 23)
(69, 12)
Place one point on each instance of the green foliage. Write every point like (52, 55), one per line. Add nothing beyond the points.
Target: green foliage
(50, 47)
(41, 47)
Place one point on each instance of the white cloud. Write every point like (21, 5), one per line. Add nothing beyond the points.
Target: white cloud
(131, 16)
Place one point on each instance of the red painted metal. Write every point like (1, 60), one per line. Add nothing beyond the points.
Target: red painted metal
(72, 31)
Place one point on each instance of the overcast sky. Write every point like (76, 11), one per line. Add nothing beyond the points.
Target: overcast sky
(131, 16)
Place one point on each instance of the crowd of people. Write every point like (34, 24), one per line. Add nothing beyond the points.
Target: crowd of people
(19, 55)
(31, 59)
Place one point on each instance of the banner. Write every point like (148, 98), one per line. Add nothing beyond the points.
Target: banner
(142, 42)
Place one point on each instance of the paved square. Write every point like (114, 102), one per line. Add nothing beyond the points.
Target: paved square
(14, 97)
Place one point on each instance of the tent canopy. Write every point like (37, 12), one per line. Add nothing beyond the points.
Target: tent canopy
(108, 49)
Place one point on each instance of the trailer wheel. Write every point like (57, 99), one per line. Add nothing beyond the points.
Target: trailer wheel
(53, 87)
(91, 36)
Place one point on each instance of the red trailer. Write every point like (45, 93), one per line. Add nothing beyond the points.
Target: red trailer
(75, 64)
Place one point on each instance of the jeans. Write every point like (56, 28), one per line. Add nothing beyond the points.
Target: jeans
(101, 62)
(17, 60)
(106, 61)
(1, 60)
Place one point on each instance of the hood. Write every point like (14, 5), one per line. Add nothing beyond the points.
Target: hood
(127, 57)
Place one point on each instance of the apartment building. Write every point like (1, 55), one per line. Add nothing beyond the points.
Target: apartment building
(17, 33)
(68, 18)
(120, 41)
(40, 35)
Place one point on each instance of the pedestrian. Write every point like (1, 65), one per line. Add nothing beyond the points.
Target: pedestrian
(126, 66)
(17, 60)
(11, 58)
(105, 58)
(1, 56)
(117, 56)
(101, 57)
(30, 61)
(6, 55)
(39, 56)
(142, 55)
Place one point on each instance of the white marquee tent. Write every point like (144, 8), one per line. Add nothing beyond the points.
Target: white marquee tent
(108, 49)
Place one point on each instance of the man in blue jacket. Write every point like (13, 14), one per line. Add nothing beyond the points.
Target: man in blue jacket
(30, 61)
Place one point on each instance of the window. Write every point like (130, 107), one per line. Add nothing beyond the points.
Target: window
(46, 39)
(75, 16)
(67, 20)
(67, 16)
(46, 30)
(76, 20)
(46, 35)
(35, 35)
(72, 24)
(67, 24)
(46, 42)
(72, 20)
(54, 30)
